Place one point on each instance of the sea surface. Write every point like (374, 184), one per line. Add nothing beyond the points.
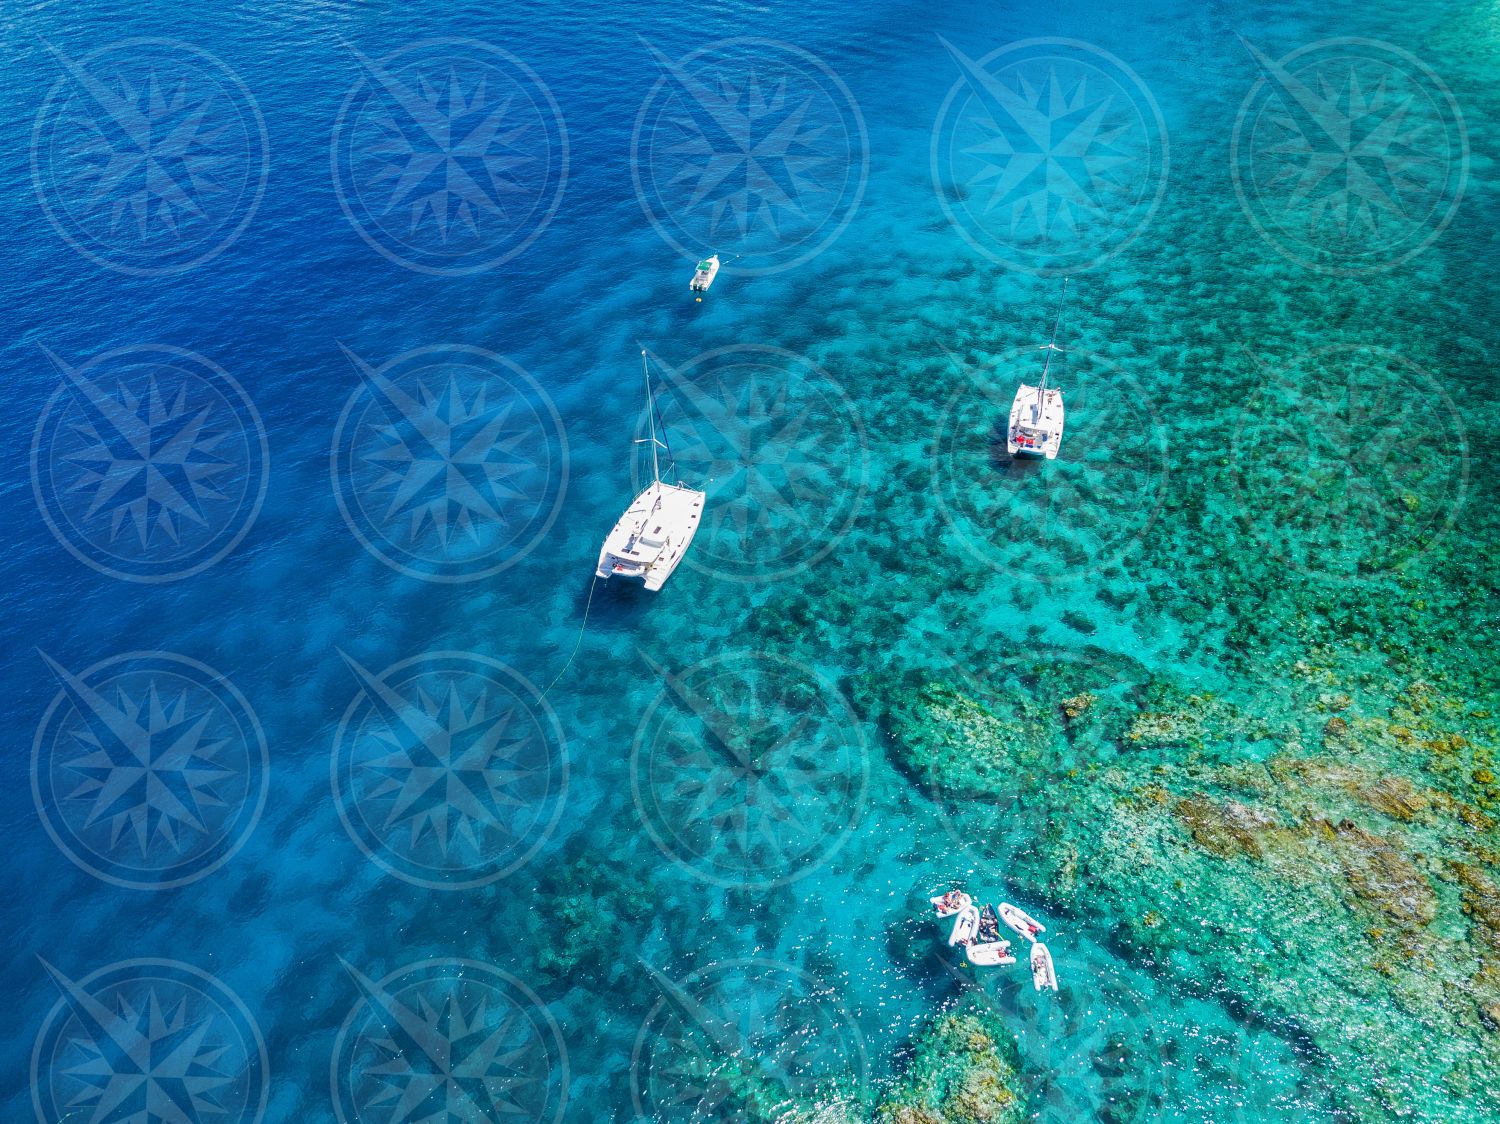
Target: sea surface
(336, 788)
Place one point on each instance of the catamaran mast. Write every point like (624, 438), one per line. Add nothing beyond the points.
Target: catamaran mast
(1052, 343)
(651, 409)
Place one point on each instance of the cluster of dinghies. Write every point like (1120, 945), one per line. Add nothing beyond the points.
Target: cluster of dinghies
(977, 931)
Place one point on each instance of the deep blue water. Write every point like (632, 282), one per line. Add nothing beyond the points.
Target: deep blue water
(297, 920)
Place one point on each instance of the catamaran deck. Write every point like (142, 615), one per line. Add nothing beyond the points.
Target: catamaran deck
(1036, 427)
(653, 535)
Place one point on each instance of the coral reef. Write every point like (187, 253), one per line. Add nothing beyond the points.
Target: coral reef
(589, 909)
(1078, 705)
(1347, 891)
(962, 1070)
(956, 743)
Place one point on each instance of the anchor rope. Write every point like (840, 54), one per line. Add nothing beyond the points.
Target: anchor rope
(589, 604)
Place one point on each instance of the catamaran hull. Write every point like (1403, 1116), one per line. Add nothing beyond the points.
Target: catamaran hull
(652, 537)
(1036, 427)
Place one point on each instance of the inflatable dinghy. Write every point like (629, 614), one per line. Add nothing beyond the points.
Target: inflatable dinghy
(965, 927)
(1043, 975)
(950, 903)
(1022, 923)
(990, 955)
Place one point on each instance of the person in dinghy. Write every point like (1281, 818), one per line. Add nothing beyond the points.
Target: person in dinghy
(989, 925)
(950, 903)
(965, 928)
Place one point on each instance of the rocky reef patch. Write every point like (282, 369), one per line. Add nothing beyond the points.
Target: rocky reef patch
(1327, 854)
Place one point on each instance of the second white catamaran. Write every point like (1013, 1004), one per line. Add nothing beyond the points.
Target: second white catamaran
(653, 535)
(1036, 415)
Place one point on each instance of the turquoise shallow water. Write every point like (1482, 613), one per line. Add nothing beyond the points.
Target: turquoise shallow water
(1275, 471)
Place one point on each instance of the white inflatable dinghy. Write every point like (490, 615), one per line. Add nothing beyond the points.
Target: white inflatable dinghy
(1022, 923)
(989, 955)
(965, 927)
(947, 906)
(1043, 975)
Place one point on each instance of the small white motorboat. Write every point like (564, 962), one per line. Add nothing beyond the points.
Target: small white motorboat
(656, 530)
(1036, 414)
(1021, 922)
(1043, 975)
(950, 903)
(704, 275)
(990, 954)
(966, 927)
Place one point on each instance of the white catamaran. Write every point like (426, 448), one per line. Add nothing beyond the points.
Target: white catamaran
(653, 535)
(1036, 415)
